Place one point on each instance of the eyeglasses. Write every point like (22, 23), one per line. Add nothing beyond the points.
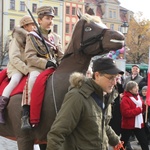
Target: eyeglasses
(111, 79)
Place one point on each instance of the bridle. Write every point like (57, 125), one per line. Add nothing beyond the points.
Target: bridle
(92, 40)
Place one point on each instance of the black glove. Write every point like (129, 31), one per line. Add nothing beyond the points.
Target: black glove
(51, 64)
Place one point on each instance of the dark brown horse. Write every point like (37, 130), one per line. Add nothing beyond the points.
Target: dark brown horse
(90, 38)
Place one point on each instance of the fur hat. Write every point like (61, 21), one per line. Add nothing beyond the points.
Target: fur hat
(25, 20)
(45, 10)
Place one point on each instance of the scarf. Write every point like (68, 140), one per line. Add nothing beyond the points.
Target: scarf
(138, 118)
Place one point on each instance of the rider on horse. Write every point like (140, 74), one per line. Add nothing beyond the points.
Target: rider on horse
(39, 56)
(16, 67)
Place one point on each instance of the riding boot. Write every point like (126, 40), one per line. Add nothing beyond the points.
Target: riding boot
(25, 125)
(3, 103)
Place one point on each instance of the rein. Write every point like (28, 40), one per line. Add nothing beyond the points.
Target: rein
(92, 40)
(53, 92)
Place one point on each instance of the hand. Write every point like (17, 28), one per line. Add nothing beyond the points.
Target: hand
(51, 64)
(119, 146)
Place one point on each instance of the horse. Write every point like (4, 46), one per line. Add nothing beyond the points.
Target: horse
(90, 37)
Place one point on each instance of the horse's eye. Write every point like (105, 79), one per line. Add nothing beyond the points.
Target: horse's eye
(88, 29)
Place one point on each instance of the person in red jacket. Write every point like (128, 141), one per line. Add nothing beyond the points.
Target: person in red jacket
(132, 109)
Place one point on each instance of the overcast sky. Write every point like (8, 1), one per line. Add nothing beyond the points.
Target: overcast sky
(137, 5)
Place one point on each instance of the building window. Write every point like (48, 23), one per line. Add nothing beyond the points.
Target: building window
(119, 28)
(56, 11)
(110, 14)
(55, 28)
(34, 7)
(73, 11)
(22, 6)
(12, 4)
(72, 27)
(67, 28)
(112, 26)
(114, 14)
(67, 10)
(12, 24)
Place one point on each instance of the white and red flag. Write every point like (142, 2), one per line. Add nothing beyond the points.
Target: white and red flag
(148, 89)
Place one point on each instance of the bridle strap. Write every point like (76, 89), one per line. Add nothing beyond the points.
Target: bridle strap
(91, 40)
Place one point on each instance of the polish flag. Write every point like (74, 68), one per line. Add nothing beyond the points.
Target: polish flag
(148, 90)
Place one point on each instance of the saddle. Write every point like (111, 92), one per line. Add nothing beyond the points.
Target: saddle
(4, 80)
(38, 91)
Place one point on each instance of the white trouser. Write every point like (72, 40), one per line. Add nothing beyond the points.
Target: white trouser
(31, 80)
(36, 147)
(14, 81)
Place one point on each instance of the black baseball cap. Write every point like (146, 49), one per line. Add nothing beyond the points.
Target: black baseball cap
(106, 65)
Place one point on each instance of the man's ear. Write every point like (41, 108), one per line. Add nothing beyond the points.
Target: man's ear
(97, 74)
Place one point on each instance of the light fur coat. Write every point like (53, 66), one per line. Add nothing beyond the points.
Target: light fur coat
(17, 61)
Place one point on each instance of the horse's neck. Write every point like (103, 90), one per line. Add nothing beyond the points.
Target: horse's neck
(74, 63)
(59, 81)
(77, 63)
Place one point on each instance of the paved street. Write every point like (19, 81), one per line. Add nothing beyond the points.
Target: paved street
(6, 144)
(135, 146)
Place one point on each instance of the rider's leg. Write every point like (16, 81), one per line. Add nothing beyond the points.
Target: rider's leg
(26, 100)
(15, 79)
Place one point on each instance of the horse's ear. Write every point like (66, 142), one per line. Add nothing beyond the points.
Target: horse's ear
(79, 14)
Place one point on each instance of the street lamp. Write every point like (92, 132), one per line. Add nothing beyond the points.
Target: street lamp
(124, 28)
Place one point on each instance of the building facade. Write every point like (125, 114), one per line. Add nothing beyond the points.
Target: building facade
(112, 14)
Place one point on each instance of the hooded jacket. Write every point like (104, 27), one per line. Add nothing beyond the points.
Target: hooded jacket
(78, 125)
(129, 111)
(17, 61)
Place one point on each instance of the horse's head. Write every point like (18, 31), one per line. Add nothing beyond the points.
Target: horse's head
(92, 37)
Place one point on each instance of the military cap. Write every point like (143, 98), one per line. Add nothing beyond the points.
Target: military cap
(25, 20)
(45, 10)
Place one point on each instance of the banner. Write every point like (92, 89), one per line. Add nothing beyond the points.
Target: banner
(148, 90)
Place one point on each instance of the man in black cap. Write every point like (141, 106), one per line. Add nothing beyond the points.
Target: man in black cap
(83, 120)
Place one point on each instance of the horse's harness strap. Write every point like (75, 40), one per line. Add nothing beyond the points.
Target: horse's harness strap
(92, 40)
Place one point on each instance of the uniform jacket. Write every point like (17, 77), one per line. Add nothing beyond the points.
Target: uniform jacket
(78, 124)
(35, 60)
(129, 111)
(17, 61)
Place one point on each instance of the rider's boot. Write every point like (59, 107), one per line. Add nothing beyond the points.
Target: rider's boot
(3, 103)
(25, 125)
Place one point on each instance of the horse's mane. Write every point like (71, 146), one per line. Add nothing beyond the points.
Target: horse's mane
(90, 18)
(87, 18)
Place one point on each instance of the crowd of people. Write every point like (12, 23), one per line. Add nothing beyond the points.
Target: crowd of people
(131, 105)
